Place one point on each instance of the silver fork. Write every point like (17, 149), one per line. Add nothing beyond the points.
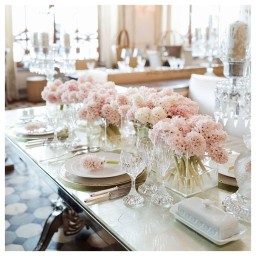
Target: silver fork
(78, 153)
(73, 150)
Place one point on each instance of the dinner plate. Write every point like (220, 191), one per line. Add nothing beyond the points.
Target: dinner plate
(81, 183)
(235, 237)
(227, 169)
(227, 180)
(27, 117)
(38, 132)
(74, 166)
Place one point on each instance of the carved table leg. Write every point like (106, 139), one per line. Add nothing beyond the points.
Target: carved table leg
(9, 166)
(62, 214)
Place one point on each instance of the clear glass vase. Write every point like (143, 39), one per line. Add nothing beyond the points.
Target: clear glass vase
(95, 134)
(112, 137)
(190, 175)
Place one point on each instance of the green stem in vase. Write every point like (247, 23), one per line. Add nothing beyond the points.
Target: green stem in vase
(187, 171)
(112, 130)
(193, 175)
(112, 162)
(61, 106)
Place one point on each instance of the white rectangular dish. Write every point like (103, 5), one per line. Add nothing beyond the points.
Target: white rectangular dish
(203, 219)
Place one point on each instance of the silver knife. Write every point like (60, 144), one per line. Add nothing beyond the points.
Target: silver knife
(108, 196)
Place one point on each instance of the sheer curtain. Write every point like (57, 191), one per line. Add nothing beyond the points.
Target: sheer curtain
(10, 76)
(113, 18)
(111, 21)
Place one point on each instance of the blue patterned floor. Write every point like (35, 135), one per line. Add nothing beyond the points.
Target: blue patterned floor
(27, 205)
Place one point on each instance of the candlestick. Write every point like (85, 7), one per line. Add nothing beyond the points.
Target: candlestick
(238, 40)
(45, 40)
(35, 40)
(67, 40)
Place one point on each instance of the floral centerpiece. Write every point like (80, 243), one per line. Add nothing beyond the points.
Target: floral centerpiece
(67, 97)
(100, 105)
(146, 106)
(192, 140)
(71, 91)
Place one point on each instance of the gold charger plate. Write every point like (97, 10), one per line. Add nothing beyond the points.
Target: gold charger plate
(81, 183)
(227, 180)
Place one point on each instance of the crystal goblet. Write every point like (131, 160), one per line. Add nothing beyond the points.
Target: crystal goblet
(54, 113)
(162, 161)
(133, 164)
(71, 115)
(145, 146)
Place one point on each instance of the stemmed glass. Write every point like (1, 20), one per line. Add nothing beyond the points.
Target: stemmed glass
(145, 146)
(132, 163)
(53, 114)
(140, 63)
(71, 115)
(126, 55)
(162, 161)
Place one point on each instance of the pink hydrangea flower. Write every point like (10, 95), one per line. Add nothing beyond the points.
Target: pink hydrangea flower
(218, 154)
(143, 115)
(196, 144)
(52, 97)
(111, 114)
(157, 114)
(92, 162)
(33, 126)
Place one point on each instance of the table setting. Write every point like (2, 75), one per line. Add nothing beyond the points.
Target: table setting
(112, 183)
(145, 164)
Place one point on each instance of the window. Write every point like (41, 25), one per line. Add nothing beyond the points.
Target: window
(81, 22)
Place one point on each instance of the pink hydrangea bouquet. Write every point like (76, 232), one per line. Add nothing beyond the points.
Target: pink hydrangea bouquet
(71, 91)
(147, 106)
(100, 106)
(99, 103)
(191, 140)
(52, 92)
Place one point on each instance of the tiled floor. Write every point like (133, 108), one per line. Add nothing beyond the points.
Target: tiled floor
(27, 205)
(28, 202)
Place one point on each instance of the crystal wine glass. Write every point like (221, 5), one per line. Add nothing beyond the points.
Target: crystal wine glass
(162, 161)
(145, 146)
(133, 164)
(54, 113)
(71, 114)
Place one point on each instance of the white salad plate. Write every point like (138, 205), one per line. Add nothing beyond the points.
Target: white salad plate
(74, 166)
(38, 132)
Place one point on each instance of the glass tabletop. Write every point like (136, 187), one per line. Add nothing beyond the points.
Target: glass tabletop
(149, 228)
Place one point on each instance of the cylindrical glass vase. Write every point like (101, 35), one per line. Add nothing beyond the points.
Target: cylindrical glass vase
(234, 41)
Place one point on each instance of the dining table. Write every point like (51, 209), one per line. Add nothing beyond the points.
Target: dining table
(147, 228)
